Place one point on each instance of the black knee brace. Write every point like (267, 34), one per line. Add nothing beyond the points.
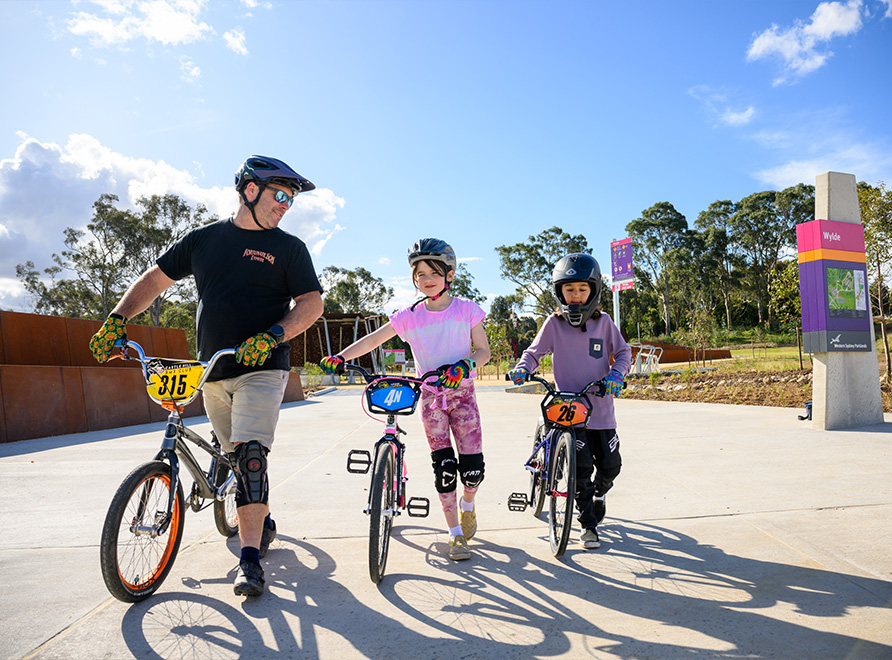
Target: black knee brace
(471, 468)
(253, 485)
(445, 469)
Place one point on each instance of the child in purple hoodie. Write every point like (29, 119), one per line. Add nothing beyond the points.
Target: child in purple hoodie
(583, 341)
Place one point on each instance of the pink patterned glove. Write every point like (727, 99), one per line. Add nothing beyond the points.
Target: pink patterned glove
(455, 375)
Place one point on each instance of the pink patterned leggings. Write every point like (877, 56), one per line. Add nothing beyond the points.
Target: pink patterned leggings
(457, 410)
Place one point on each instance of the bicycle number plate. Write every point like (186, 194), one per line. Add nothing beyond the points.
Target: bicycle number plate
(387, 395)
(567, 411)
(173, 380)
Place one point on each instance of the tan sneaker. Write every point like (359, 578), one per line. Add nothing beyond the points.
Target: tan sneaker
(469, 523)
(458, 548)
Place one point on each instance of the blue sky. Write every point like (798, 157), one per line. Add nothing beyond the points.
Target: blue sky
(478, 122)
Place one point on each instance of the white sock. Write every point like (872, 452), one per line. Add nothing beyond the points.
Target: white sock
(467, 506)
(454, 531)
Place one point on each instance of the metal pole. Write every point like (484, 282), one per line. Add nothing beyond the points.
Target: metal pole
(616, 306)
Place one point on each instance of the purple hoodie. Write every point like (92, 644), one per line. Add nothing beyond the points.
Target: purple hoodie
(580, 357)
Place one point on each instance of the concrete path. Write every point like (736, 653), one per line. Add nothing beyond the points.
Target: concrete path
(732, 532)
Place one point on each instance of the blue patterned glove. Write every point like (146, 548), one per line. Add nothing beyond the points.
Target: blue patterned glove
(455, 375)
(332, 364)
(518, 375)
(613, 384)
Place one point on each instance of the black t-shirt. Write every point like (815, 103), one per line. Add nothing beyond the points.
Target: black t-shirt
(246, 281)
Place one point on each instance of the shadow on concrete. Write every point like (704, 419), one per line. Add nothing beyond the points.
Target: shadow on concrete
(506, 603)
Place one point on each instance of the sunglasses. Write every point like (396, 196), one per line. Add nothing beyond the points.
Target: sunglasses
(282, 197)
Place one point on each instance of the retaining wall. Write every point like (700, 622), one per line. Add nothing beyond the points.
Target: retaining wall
(50, 384)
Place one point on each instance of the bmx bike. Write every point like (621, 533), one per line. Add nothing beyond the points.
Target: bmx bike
(144, 524)
(390, 396)
(552, 465)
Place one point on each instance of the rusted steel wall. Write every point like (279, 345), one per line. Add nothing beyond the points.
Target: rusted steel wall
(50, 384)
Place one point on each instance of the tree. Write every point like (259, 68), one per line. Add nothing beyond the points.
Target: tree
(463, 286)
(116, 248)
(714, 224)
(530, 265)
(353, 291)
(656, 236)
(876, 216)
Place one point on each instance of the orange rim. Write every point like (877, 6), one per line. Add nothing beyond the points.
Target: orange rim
(172, 533)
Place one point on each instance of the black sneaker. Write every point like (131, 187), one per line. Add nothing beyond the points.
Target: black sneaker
(589, 539)
(248, 579)
(600, 509)
(269, 535)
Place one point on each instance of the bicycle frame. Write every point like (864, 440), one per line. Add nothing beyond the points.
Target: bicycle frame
(174, 449)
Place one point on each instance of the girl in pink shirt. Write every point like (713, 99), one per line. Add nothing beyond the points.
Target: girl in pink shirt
(441, 330)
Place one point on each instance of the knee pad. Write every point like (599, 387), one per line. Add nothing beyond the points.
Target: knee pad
(253, 485)
(471, 469)
(445, 469)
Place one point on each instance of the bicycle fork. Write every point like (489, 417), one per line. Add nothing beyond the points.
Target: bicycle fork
(359, 461)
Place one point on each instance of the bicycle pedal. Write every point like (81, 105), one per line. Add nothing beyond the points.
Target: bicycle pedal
(359, 461)
(518, 502)
(418, 507)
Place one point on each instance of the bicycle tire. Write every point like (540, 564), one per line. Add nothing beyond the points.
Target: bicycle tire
(381, 510)
(537, 482)
(135, 565)
(563, 492)
(225, 512)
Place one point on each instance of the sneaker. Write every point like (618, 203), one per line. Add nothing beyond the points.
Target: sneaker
(458, 548)
(589, 539)
(600, 509)
(469, 523)
(269, 535)
(248, 579)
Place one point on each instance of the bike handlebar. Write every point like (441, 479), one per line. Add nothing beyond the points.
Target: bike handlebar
(370, 377)
(601, 385)
(127, 344)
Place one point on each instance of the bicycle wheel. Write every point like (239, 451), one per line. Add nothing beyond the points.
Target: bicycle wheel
(134, 558)
(381, 510)
(537, 478)
(225, 512)
(563, 492)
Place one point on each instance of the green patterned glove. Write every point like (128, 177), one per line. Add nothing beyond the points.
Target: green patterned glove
(254, 350)
(111, 331)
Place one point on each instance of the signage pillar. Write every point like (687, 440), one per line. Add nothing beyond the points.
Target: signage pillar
(837, 323)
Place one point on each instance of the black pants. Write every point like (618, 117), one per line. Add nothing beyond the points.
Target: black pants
(597, 451)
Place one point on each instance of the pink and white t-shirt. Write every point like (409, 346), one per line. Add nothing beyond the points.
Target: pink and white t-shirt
(438, 338)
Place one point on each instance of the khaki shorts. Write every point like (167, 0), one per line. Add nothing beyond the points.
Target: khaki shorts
(246, 407)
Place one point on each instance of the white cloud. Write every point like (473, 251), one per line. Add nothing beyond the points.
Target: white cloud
(170, 22)
(738, 118)
(798, 46)
(32, 220)
(235, 41)
(189, 70)
(384, 261)
(888, 4)
(721, 107)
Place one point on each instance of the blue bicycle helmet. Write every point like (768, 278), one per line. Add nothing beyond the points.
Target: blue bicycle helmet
(264, 170)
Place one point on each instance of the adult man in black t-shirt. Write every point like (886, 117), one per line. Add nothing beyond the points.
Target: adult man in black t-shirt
(247, 272)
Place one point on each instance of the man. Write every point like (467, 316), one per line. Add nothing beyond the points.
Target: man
(247, 272)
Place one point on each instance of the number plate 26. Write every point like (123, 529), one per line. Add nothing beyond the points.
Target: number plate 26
(567, 411)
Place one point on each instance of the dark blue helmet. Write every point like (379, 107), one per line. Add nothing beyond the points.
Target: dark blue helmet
(263, 170)
(577, 267)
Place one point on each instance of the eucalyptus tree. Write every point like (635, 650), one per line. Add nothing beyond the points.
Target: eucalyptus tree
(876, 216)
(715, 227)
(657, 237)
(529, 265)
(353, 291)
